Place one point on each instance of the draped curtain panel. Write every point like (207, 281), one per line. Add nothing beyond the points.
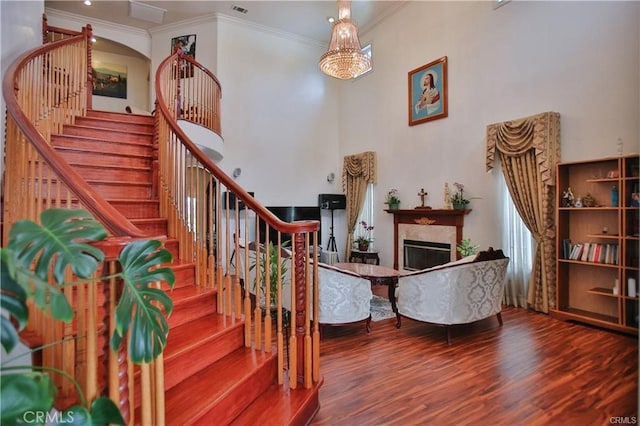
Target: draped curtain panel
(529, 150)
(358, 171)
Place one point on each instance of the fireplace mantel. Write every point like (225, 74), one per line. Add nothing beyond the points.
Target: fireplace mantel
(426, 217)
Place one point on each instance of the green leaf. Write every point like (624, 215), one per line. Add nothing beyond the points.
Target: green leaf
(23, 393)
(105, 411)
(60, 308)
(140, 309)
(58, 243)
(12, 301)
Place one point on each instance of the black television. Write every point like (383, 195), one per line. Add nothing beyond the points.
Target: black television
(290, 214)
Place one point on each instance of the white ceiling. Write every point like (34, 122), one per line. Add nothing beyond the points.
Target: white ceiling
(306, 18)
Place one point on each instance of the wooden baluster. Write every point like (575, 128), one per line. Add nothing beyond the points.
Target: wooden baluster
(316, 320)
(89, 86)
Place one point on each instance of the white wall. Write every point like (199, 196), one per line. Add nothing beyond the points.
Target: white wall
(280, 115)
(580, 59)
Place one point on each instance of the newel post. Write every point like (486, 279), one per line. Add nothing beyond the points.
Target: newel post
(301, 303)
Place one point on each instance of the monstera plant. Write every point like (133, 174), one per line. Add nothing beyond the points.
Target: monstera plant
(33, 266)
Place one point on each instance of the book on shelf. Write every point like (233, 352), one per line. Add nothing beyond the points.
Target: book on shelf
(585, 252)
(594, 252)
(576, 252)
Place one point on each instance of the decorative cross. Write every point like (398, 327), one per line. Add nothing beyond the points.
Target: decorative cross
(422, 194)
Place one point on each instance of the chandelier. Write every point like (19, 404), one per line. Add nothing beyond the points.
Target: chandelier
(344, 58)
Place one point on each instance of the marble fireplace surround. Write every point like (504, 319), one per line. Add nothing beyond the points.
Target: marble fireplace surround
(440, 226)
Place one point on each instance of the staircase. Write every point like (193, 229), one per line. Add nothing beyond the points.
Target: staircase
(210, 377)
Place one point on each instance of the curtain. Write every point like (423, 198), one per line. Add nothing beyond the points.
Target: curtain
(529, 150)
(358, 171)
(517, 243)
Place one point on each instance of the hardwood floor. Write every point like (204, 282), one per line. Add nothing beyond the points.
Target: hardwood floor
(535, 370)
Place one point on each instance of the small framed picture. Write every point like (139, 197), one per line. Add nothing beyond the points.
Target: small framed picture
(428, 92)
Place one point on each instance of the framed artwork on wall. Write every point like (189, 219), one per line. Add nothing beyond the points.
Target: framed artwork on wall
(428, 92)
(187, 44)
(109, 80)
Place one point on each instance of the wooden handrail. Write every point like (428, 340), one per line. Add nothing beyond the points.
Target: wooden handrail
(112, 219)
(191, 196)
(228, 182)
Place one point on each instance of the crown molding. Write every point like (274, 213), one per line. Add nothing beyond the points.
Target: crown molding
(220, 17)
(82, 20)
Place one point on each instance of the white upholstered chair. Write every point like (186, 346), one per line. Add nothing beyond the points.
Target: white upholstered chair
(458, 292)
(345, 297)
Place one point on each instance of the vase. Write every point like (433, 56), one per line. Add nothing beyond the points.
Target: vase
(459, 206)
(363, 246)
(394, 206)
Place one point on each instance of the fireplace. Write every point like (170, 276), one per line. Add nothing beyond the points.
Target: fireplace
(438, 231)
(424, 254)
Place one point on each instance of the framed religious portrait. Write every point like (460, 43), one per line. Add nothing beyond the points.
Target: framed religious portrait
(428, 92)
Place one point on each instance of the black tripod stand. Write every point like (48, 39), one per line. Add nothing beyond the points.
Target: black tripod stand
(331, 244)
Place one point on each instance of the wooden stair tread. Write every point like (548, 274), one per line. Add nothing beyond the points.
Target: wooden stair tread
(99, 181)
(182, 339)
(122, 116)
(108, 166)
(148, 220)
(195, 396)
(114, 154)
(112, 131)
(184, 294)
(59, 138)
(278, 405)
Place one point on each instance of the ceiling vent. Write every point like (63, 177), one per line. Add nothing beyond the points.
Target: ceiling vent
(239, 9)
(146, 12)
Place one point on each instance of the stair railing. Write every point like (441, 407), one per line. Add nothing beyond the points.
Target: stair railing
(214, 218)
(44, 90)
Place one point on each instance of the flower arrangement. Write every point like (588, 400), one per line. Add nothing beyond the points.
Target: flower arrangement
(457, 199)
(365, 236)
(392, 197)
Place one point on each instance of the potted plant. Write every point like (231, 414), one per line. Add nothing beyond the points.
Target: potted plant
(363, 239)
(458, 200)
(466, 248)
(393, 199)
(274, 269)
(33, 266)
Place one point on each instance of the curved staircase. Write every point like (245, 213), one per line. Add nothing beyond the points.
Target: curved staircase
(210, 376)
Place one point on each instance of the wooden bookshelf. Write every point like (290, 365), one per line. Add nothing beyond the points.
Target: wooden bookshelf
(585, 283)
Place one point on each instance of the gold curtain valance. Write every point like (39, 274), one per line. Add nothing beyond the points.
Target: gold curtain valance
(362, 165)
(540, 132)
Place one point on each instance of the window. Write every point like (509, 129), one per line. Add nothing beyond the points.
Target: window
(366, 213)
(367, 50)
(518, 245)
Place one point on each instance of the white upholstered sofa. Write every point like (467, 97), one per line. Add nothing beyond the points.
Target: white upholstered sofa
(344, 297)
(459, 292)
